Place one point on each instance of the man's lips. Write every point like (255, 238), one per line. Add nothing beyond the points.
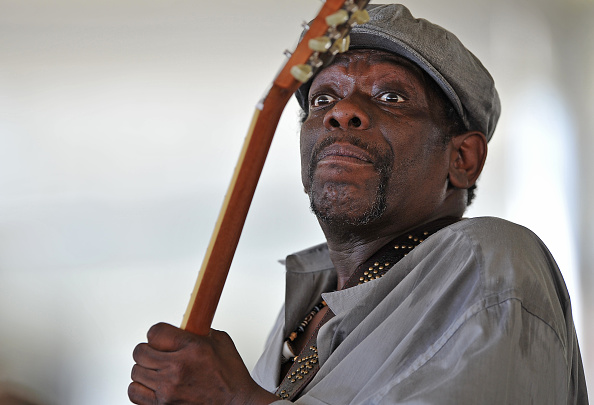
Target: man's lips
(340, 151)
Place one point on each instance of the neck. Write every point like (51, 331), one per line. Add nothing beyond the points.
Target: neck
(347, 256)
(349, 248)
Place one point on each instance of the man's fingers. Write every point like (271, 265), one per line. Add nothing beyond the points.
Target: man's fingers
(141, 395)
(168, 338)
(147, 377)
(148, 357)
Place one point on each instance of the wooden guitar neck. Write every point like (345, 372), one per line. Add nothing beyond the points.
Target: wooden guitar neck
(326, 36)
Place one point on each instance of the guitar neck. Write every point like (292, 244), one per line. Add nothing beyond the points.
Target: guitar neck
(224, 240)
(326, 35)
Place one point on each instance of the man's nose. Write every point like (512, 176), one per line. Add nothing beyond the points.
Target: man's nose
(346, 114)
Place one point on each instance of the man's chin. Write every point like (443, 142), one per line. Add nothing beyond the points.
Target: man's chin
(331, 216)
(345, 204)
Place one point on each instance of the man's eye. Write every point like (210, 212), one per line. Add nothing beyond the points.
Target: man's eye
(322, 100)
(391, 98)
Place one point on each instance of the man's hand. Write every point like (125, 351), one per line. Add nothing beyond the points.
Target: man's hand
(179, 367)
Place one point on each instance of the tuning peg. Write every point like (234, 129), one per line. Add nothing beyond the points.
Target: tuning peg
(340, 17)
(315, 62)
(341, 45)
(360, 17)
(320, 44)
(350, 5)
(288, 53)
(302, 72)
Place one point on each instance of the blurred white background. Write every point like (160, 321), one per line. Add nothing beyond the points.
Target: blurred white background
(120, 125)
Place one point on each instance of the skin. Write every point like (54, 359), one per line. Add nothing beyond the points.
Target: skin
(373, 124)
(375, 106)
(179, 367)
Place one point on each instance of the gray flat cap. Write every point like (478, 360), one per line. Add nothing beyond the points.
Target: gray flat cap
(459, 73)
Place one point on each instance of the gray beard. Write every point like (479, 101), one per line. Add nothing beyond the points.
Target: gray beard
(383, 166)
(375, 211)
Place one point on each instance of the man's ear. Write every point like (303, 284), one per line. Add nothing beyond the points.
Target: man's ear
(468, 152)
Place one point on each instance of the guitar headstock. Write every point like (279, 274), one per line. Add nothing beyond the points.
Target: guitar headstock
(326, 35)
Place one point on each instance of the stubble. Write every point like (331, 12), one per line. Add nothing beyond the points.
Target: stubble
(323, 204)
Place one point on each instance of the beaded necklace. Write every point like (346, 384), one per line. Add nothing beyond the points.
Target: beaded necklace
(305, 365)
(287, 353)
(373, 272)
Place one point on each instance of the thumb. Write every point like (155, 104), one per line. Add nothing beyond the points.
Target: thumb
(168, 338)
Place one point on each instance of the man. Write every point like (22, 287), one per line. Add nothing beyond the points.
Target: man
(407, 302)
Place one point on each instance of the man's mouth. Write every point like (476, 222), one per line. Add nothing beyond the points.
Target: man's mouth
(343, 152)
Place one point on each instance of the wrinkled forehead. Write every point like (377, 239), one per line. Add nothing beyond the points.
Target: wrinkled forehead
(372, 56)
(360, 61)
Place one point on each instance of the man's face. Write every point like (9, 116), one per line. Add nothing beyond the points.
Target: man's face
(372, 146)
